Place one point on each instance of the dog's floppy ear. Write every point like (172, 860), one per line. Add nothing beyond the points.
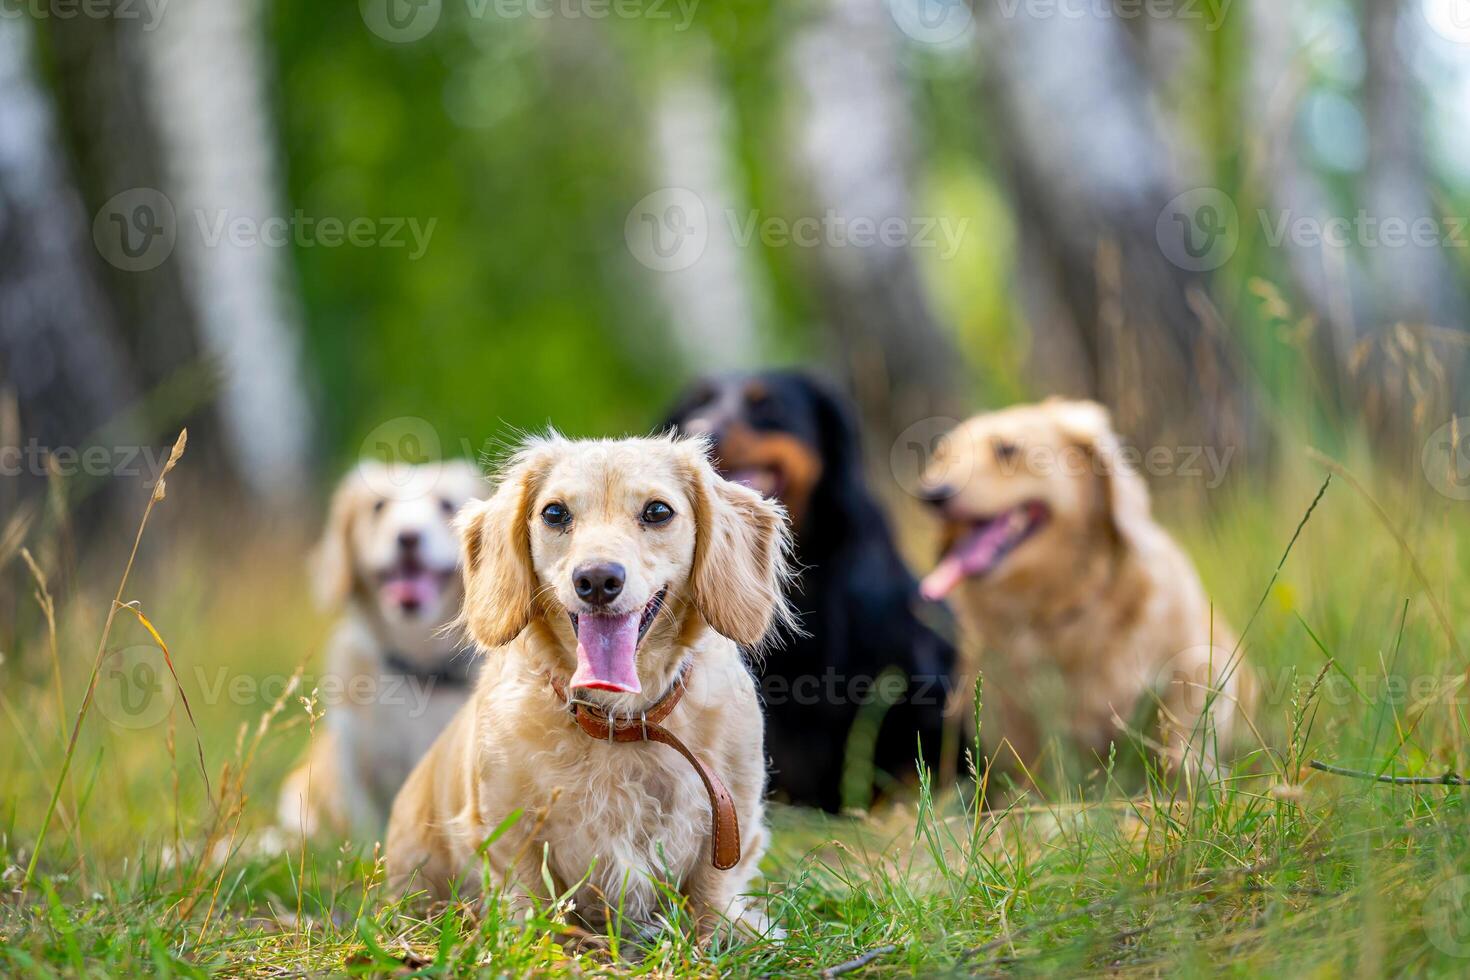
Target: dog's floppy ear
(499, 579)
(742, 554)
(332, 560)
(1088, 425)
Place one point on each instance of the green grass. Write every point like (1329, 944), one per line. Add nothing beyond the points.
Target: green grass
(1271, 868)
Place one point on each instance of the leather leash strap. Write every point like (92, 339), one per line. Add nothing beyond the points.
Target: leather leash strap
(724, 825)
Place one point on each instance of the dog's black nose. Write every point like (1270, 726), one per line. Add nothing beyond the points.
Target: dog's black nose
(599, 584)
(938, 495)
(408, 540)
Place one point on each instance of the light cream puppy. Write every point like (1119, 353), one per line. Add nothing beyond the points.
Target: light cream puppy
(388, 564)
(1059, 573)
(609, 567)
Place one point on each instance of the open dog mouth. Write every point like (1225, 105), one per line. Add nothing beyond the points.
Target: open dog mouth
(411, 585)
(607, 646)
(769, 481)
(983, 547)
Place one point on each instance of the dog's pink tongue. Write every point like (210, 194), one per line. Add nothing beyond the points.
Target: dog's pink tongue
(973, 554)
(942, 581)
(411, 591)
(606, 649)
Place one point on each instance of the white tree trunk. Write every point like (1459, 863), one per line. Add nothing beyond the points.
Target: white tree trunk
(1279, 75)
(1361, 291)
(59, 354)
(1113, 314)
(207, 90)
(718, 304)
(1414, 283)
(853, 144)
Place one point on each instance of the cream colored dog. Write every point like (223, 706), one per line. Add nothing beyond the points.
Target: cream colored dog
(1063, 578)
(618, 571)
(388, 562)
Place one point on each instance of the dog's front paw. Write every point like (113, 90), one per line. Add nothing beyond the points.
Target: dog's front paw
(580, 943)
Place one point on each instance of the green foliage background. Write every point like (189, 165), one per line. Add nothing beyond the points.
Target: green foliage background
(527, 307)
(527, 139)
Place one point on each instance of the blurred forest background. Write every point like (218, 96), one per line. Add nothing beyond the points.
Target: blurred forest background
(311, 231)
(496, 154)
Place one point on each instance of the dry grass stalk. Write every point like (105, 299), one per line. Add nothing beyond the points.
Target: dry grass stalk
(48, 609)
(15, 531)
(230, 805)
(313, 715)
(1338, 469)
(71, 748)
(47, 602)
(1417, 713)
(168, 660)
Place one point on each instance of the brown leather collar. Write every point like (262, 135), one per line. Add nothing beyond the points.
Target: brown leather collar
(724, 825)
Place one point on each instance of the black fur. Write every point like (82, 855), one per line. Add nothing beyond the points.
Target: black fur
(855, 597)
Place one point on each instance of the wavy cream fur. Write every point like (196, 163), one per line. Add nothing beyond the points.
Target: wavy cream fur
(1102, 599)
(611, 819)
(367, 745)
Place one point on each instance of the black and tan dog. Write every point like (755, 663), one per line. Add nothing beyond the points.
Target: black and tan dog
(786, 436)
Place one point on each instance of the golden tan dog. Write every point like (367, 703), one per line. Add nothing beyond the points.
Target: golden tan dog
(621, 572)
(1084, 612)
(388, 562)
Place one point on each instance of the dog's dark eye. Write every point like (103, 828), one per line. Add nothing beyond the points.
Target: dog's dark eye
(1005, 451)
(447, 506)
(378, 505)
(657, 512)
(556, 515)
